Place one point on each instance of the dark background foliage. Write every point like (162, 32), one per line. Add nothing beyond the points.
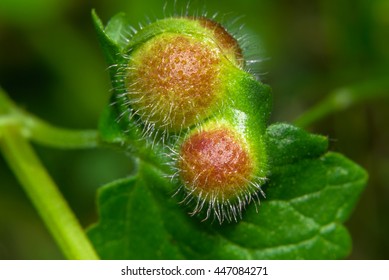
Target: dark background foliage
(51, 64)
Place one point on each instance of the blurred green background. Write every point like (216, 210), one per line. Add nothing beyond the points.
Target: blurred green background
(51, 64)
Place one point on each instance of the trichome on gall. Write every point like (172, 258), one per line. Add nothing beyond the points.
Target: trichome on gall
(184, 78)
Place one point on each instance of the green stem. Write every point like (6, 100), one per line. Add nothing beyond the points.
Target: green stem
(42, 132)
(342, 99)
(45, 196)
(48, 135)
(15, 127)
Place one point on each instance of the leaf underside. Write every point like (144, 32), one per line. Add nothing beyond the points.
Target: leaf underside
(310, 193)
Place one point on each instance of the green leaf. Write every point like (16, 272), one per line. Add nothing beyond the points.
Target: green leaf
(131, 223)
(111, 37)
(310, 194)
(291, 144)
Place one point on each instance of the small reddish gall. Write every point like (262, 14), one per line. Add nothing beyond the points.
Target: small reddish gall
(215, 163)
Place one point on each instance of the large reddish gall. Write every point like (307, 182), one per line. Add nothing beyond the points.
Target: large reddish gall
(175, 80)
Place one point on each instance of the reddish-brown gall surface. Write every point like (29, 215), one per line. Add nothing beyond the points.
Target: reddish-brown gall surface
(215, 162)
(224, 39)
(174, 80)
